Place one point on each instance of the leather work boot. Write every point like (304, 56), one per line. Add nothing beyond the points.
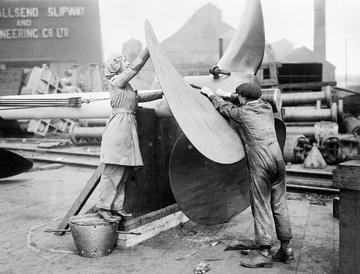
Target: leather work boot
(285, 255)
(121, 212)
(258, 259)
(107, 216)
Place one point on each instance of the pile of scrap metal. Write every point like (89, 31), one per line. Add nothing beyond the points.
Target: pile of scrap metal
(318, 117)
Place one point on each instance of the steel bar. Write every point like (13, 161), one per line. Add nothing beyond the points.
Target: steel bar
(300, 124)
(311, 188)
(347, 90)
(308, 131)
(307, 85)
(318, 131)
(274, 97)
(77, 133)
(303, 98)
(307, 114)
(92, 122)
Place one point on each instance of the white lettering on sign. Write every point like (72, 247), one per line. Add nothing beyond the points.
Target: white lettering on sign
(62, 32)
(65, 11)
(34, 33)
(8, 34)
(23, 23)
(47, 33)
(28, 12)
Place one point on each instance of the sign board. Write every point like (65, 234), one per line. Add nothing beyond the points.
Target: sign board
(50, 30)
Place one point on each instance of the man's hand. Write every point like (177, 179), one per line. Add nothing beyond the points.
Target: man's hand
(206, 91)
(223, 94)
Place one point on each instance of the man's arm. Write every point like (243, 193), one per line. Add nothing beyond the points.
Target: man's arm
(226, 109)
(127, 74)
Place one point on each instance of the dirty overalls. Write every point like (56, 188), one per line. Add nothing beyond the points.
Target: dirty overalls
(254, 121)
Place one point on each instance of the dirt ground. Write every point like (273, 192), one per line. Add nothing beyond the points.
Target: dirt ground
(34, 201)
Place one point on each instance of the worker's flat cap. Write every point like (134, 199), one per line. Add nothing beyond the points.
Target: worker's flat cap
(249, 91)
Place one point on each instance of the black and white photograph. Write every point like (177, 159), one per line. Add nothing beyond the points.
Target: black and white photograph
(179, 136)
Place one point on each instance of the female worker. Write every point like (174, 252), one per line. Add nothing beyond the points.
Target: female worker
(120, 149)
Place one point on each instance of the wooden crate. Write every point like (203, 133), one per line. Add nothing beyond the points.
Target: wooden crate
(347, 178)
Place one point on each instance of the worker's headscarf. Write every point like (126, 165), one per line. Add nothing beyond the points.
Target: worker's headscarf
(249, 90)
(113, 64)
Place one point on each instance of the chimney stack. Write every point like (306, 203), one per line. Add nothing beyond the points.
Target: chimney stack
(320, 29)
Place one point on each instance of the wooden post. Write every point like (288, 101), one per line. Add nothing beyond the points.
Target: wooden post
(81, 199)
(346, 178)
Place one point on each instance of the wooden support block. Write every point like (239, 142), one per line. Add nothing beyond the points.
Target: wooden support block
(349, 233)
(151, 229)
(82, 199)
(347, 178)
(347, 175)
(132, 223)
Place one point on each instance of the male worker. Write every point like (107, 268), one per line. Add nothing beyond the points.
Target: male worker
(120, 144)
(254, 120)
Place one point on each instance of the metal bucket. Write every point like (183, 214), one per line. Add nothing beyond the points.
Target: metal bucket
(93, 236)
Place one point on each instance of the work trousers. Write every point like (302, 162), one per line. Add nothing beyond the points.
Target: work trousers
(113, 180)
(268, 202)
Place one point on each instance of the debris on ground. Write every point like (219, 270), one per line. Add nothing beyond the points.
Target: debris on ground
(54, 144)
(245, 244)
(313, 198)
(214, 243)
(202, 268)
(187, 256)
(317, 202)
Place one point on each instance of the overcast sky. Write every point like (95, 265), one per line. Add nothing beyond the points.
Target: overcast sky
(122, 20)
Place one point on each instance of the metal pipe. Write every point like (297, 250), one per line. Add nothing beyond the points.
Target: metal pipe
(92, 122)
(319, 130)
(301, 98)
(300, 124)
(274, 97)
(352, 124)
(307, 114)
(308, 131)
(77, 133)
